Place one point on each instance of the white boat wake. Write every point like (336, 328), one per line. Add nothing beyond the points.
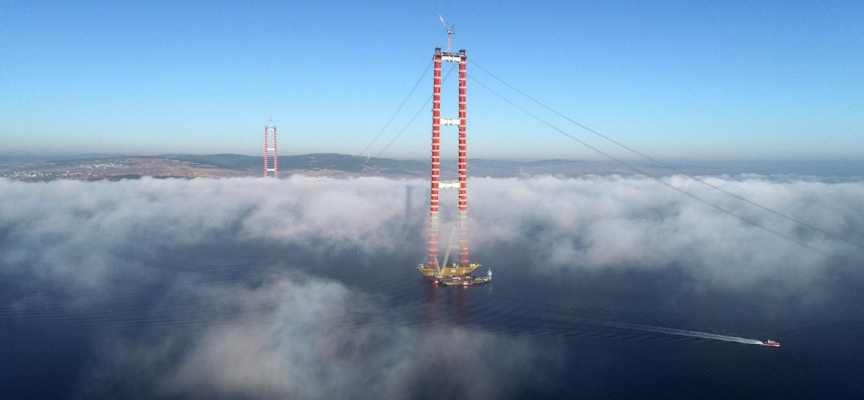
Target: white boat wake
(680, 332)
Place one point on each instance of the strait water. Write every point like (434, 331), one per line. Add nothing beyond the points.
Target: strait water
(620, 334)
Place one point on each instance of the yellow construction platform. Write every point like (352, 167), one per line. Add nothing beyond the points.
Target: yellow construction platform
(448, 272)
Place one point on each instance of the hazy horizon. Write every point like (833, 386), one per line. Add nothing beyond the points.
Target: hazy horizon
(815, 168)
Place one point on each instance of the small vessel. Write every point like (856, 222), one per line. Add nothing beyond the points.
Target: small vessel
(771, 343)
(464, 281)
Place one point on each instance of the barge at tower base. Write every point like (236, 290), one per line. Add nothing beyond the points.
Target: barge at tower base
(454, 275)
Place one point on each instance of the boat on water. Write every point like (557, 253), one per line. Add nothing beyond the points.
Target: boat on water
(464, 281)
(771, 343)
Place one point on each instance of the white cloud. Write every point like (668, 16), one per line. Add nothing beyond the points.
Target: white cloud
(636, 223)
(78, 232)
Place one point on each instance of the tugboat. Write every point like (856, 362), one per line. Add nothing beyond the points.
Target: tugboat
(464, 281)
(483, 279)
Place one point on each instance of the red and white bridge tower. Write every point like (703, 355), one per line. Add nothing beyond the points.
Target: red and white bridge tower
(267, 150)
(432, 268)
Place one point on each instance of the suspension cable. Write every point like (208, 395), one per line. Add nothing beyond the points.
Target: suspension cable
(405, 100)
(658, 180)
(664, 164)
(411, 121)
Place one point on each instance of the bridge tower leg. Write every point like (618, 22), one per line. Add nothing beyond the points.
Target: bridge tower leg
(267, 151)
(463, 162)
(432, 261)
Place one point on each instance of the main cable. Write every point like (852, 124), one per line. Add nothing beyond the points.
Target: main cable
(405, 100)
(384, 128)
(658, 180)
(666, 165)
(411, 121)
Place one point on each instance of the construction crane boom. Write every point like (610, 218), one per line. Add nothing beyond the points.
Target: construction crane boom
(450, 31)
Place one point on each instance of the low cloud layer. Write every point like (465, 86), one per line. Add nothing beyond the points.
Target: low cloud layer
(72, 230)
(601, 223)
(276, 331)
(80, 234)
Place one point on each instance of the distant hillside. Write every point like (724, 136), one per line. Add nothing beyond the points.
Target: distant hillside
(331, 163)
(316, 162)
(235, 162)
(341, 166)
(27, 158)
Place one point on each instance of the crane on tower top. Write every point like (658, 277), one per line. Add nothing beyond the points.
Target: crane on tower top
(450, 30)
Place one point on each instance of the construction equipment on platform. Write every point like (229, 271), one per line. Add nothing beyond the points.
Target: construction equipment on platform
(450, 31)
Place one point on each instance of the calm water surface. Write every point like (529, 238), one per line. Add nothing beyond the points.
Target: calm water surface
(595, 334)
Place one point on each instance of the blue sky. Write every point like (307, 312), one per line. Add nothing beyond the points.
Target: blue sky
(678, 80)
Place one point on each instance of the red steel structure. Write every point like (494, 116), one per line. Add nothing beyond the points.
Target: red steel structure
(267, 151)
(432, 268)
(436, 159)
(463, 161)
